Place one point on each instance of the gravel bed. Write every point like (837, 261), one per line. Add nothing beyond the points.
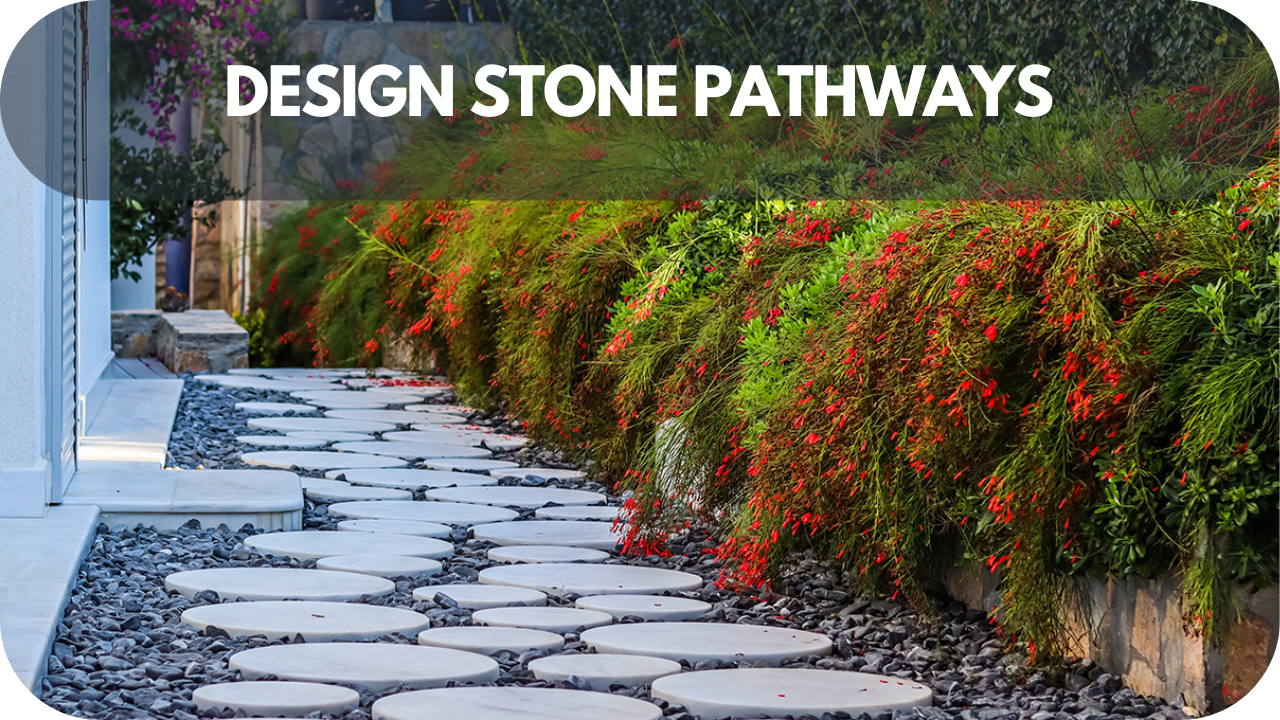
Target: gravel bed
(121, 652)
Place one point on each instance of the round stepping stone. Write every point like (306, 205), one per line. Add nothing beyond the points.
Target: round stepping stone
(570, 578)
(607, 513)
(481, 597)
(394, 396)
(273, 408)
(462, 411)
(258, 383)
(315, 621)
(467, 464)
(344, 399)
(324, 424)
(371, 667)
(399, 417)
(491, 640)
(265, 583)
(413, 436)
(383, 566)
(283, 441)
(397, 527)
(546, 473)
(602, 671)
(411, 479)
(318, 459)
(331, 436)
(507, 703)
(521, 497)
(574, 533)
(552, 619)
(337, 491)
(417, 391)
(696, 642)
(276, 699)
(297, 372)
(774, 692)
(313, 545)
(413, 450)
(545, 554)
(649, 607)
(437, 512)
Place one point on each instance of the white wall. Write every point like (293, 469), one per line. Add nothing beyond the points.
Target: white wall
(24, 469)
(95, 260)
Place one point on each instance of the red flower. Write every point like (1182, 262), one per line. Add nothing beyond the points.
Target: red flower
(991, 332)
(371, 346)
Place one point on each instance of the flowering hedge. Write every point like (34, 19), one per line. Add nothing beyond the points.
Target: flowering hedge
(1058, 387)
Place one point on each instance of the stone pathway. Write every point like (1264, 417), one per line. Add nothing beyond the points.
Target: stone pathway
(480, 572)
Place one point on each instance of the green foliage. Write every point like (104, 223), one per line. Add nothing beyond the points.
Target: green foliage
(1131, 42)
(145, 209)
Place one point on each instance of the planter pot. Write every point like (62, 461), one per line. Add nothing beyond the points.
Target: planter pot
(299, 8)
(423, 10)
(340, 9)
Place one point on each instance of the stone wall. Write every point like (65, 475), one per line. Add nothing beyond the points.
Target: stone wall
(1133, 629)
(286, 161)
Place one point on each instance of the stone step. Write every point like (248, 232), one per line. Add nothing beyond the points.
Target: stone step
(648, 607)
(383, 566)
(491, 640)
(573, 533)
(275, 699)
(166, 499)
(314, 621)
(509, 703)
(313, 545)
(570, 578)
(603, 671)
(372, 667)
(267, 583)
(480, 597)
(791, 692)
(545, 554)
(407, 479)
(520, 497)
(699, 642)
(318, 459)
(552, 619)
(437, 512)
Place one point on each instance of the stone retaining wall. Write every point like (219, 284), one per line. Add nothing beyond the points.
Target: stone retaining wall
(1133, 629)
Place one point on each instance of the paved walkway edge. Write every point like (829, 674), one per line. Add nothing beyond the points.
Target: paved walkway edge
(39, 565)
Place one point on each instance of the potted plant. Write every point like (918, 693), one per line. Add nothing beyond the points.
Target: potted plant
(340, 9)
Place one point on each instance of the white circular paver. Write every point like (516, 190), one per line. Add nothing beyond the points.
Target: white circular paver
(649, 607)
(331, 435)
(417, 391)
(491, 640)
(399, 417)
(696, 642)
(383, 566)
(338, 491)
(274, 408)
(265, 583)
(604, 513)
(508, 703)
(413, 450)
(259, 383)
(447, 408)
(320, 424)
(370, 666)
(574, 533)
(516, 496)
(545, 554)
(602, 671)
(314, 621)
(413, 436)
(571, 578)
(318, 459)
(411, 479)
(547, 473)
(437, 512)
(394, 396)
(311, 544)
(480, 597)
(397, 527)
(275, 699)
(283, 441)
(344, 399)
(551, 619)
(773, 692)
(468, 465)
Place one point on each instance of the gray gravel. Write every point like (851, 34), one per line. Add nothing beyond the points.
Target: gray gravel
(121, 652)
